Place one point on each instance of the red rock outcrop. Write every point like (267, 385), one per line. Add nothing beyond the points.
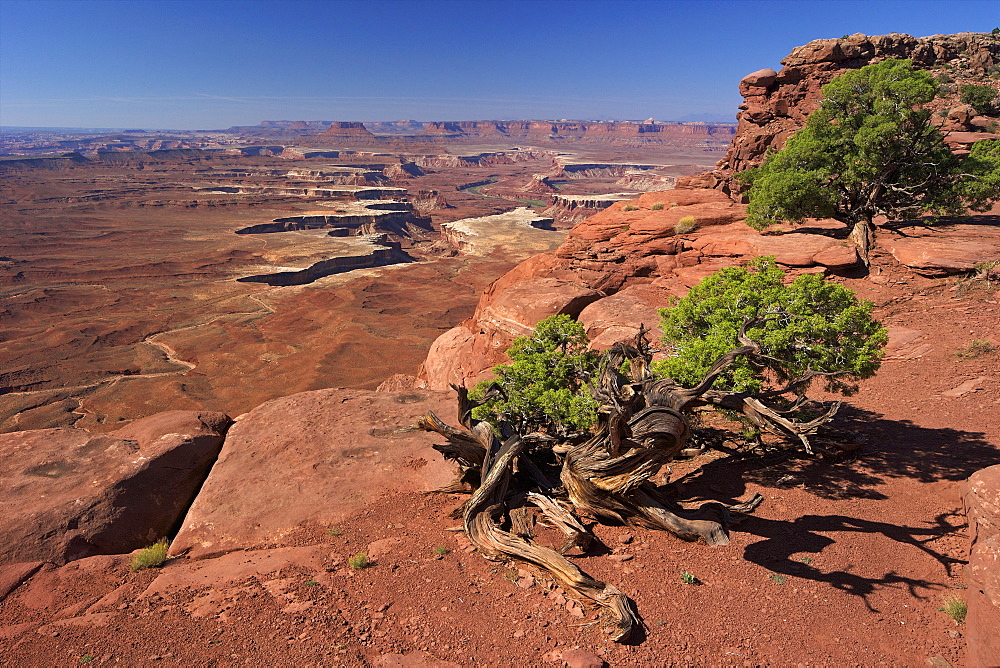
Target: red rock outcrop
(312, 458)
(982, 505)
(70, 494)
(776, 104)
(621, 264)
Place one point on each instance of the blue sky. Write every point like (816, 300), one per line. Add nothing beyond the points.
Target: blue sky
(210, 64)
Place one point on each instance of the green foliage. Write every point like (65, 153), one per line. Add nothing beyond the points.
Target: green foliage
(657, 206)
(869, 149)
(151, 557)
(955, 607)
(780, 579)
(441, 550)
(685, 225)
(359, 561)
(984, 161)
(980, 96)
(811, 324)
(688, 578)
(545, 381)
(630, 207)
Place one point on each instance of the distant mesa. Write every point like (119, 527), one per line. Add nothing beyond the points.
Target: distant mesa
(347, 129)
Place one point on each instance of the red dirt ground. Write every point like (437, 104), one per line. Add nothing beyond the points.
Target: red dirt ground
(847, 562)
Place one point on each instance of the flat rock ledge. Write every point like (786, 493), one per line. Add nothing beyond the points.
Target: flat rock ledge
(67, 494)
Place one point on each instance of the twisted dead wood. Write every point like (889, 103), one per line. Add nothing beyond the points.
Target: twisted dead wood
(641, 427)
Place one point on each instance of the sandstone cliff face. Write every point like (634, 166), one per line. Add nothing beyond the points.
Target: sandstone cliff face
(776, 104)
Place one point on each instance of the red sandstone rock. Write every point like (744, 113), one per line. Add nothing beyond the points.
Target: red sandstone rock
(616, 251)
(777, 104)
(622, 314)
(523, 305)
(69, 494)
(982, 504)
(312, 458)
(933, 253)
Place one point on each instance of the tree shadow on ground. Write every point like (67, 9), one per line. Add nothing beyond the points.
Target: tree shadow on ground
(784, 539)
(888, 449)
(885, 449)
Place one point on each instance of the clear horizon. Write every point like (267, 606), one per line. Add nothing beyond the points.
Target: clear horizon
(186, 65)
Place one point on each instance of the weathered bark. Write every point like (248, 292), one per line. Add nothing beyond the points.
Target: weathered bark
(863, 236)
(641, 427)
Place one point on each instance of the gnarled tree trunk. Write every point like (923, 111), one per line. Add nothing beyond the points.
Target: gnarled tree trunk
(642, 425)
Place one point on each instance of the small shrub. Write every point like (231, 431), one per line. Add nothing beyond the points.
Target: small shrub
(980, 96)
(334, 532)
(152, 557)
(975, 348)
(441, 550)
(685, 225)
(546, 381)
(311, 583)
(943, 78)
(806, 559)
(630, 207)
(955, 607)
(657, 206)
(86, 658)
(688, 578)
(780, 579)
(359, 561)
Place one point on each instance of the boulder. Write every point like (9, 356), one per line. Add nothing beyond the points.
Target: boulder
(982, 505)
(313, 459)
(69, 494)
(621, 314)
(759, 79)
(524, 304)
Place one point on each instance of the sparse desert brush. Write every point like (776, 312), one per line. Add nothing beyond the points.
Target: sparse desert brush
(152, 557)
(630, 207)
(657, 206)
(975, 348)
(688, 578)
(359, 561)
(685, 225)
(955, 607)
(441, 550)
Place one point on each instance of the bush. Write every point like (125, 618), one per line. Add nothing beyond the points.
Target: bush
(685, 225)
(153, 556)
(630, 207)
(811, 324)
(980, 96)
(545, 381)
(359, 561)
(955, 607)
(657, 206)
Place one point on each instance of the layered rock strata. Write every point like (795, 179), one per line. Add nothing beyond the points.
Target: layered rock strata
(522, 226)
